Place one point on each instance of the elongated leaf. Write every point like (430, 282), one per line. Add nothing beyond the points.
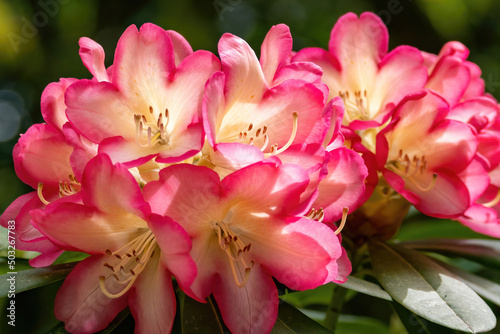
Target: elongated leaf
(319, 296)
(429, 290)
(484, 287)
(480, 250)
(292, 321)
(351, 324)
(417, 325)
(366, 287)
(201, 318)
(34, 278)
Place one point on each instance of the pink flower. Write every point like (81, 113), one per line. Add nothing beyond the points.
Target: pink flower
(427, 158)
(246, 229)
(133, 253)
(268, 104)
(358, 68)
(452, 76)
(148, 104)
(50, 158)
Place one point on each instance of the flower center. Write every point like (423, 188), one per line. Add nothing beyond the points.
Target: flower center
(356, 105)
(128, 262)
(251, 135)
(408, 168)
(148, 134)
(234, 249)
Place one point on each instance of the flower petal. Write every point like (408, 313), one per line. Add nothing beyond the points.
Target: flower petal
(301, 254)
(43, 155)
(182, 49)
(275, 187)
(83, 229)
(245, 81)
(92, 55)
(482, 220)
(450, 79)
(52, 102)
(175, 245)
(143, 61)
(112, 188)
(344, 184)
(275, 50)
(152, 299)
(359, 45)
(250, 309)
(80, 302)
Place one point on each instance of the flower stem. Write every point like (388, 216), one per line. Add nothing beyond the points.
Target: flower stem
(333, 312)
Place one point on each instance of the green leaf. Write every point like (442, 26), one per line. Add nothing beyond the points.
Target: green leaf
(429, 290)
(290, 320)
(484, 287)
(34, 278)
(68, 256)
(319, 296)
(417, 325)
(423, 227)
(201, 317)
(366, 287)
(59, 328)
(480, 250)
(352, 324)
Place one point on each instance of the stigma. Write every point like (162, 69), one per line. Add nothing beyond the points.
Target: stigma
(126, 263)
(235, 251)
(150, 133)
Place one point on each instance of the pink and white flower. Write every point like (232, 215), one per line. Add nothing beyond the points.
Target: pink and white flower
(133, 253)
(245, 230)
(358, 68)
(149, 103)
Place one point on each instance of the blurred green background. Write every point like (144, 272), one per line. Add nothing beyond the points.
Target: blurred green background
(39, 45)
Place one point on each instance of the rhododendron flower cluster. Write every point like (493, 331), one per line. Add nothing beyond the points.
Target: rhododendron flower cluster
(227, 171)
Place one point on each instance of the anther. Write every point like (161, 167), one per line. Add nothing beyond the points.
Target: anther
(250, 127)
(107, 265)
(150, 109)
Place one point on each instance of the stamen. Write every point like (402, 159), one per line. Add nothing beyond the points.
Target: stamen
(494, 201)
(129, 268)
(345, 211)
(250, 127)
(290, 141)
(234, 248)
(40, 194)
(102, 279)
